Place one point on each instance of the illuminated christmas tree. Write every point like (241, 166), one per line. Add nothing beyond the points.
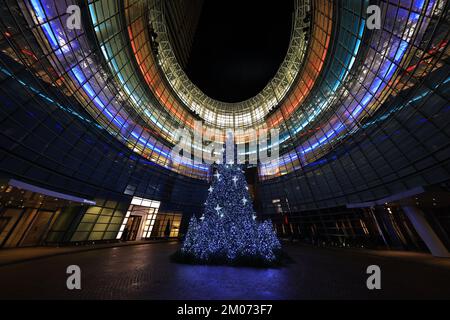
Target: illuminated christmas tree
(228, 231)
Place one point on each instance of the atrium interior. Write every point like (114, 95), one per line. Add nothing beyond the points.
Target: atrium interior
(118, 116)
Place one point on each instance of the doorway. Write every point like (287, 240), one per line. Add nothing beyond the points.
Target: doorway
(25, 227)
(132, 228)
(147, 211)
(38, 228)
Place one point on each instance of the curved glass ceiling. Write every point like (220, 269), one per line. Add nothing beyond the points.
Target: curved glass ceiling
(337, 76)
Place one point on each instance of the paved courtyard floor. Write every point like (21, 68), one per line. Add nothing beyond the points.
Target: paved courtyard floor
(146, 272)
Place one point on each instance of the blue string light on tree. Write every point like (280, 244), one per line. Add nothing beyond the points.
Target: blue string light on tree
(228, 231)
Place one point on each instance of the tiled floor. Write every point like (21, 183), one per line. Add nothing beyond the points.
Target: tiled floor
(146, 272)
(15, 255)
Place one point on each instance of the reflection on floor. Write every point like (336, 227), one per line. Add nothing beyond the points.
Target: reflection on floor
(145, 272)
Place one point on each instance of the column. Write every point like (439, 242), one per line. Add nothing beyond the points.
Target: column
(423, 228)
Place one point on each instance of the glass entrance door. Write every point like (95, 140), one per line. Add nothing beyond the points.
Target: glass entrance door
(38, 228)
(132, 228)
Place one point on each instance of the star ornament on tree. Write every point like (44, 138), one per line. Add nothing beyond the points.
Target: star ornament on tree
(218, 208)
(235, 180)
(244, 201)
(217, 175)
(211, 189)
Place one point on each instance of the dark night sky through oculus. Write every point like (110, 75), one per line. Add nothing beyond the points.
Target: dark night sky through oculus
(239, 46)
